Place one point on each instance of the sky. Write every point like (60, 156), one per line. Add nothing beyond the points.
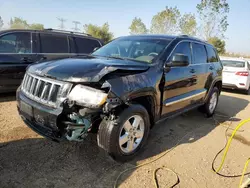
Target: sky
(119, 14)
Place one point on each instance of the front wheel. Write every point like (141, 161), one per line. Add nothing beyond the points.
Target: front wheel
(209, 107)
(123, 137)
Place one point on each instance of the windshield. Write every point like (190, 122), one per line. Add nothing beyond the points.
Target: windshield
(138, 49)
(230, 63)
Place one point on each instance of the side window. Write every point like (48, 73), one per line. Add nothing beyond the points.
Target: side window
(212, 57)
(51, 43)
(85, 45)
(183, 48)
(199, 53)
(18, 42)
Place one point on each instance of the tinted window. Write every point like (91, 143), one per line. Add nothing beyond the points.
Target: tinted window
(199, 53)
(231, 63)
(18, 42)
(212, 57)
(51, 43)
(183, 48)
(84, 45)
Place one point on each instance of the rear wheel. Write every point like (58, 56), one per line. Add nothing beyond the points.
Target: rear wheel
(123, 137)
(209, 107)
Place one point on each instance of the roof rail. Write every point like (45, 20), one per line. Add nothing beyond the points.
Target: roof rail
(192, 37)
(63, 31)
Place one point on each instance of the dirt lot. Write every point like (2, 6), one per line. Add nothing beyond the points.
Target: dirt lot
(28, 160)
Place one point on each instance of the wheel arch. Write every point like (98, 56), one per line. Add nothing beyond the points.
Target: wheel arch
(216, 83)
(149, 103)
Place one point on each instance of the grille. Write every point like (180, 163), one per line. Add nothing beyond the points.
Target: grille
(44, 90)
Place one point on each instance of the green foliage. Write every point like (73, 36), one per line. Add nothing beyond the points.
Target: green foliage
(18, 23)
(213, 16)
(101, 32)
(137, 27)
(218, 44)
(188, 24)
(166, 21)
(36, 26)
(1, 22)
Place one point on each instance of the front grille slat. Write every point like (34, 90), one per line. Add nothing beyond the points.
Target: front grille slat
(43, 90)
(26, 83)
(52, 88)
(24, 80)
(37, 87)
(33, 85)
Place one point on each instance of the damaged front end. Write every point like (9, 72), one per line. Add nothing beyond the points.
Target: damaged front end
(84, 109)
(67, 99)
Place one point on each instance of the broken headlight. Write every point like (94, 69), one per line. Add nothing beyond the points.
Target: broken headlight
(87, 96)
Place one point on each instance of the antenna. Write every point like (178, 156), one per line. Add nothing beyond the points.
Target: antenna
(76, 25)
(62, 20)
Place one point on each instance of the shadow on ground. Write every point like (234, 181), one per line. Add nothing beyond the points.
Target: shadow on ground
(7, 97)
(43, 163)
(236, 91)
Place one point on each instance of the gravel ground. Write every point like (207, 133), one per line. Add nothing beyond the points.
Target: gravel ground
(28, 160)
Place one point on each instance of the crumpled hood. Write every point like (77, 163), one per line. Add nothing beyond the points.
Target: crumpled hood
(84, 69)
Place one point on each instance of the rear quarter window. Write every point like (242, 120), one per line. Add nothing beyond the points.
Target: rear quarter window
(212, 54)
(85, 45)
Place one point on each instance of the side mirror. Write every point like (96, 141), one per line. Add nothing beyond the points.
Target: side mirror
(179, 60)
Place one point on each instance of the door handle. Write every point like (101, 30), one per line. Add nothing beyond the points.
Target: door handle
(211, 68)
(192, 71)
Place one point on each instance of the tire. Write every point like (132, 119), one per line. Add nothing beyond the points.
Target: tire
(206, 108)
(111, 132)
(246, 92)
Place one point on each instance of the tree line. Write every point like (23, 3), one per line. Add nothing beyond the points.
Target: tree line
(210, 24)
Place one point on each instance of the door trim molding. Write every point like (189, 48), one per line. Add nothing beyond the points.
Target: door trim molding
(203, 93)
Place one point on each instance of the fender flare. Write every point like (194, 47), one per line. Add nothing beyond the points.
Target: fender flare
(215, 81)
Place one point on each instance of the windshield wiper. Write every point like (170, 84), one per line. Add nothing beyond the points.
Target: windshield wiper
(115, 57)
(84, 55)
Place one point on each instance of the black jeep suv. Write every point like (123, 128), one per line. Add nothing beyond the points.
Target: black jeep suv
(20, 48)
(120, 90)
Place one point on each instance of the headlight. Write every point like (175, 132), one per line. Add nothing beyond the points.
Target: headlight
(87, 96)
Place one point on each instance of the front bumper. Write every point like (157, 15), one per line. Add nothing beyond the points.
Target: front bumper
(40, 118)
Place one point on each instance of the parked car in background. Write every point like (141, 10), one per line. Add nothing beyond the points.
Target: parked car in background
(121, 90)
(20, 48)
(236, 73)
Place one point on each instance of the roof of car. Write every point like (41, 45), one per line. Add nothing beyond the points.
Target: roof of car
(50, 31)
(169, 37)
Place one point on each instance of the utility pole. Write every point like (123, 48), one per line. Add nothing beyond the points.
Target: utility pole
(76, 25)
(61, 26)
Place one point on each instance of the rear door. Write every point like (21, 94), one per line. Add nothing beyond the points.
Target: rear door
(86, 45)
(53, 46)
(203, 69)
(15, 55)
(214, 65)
